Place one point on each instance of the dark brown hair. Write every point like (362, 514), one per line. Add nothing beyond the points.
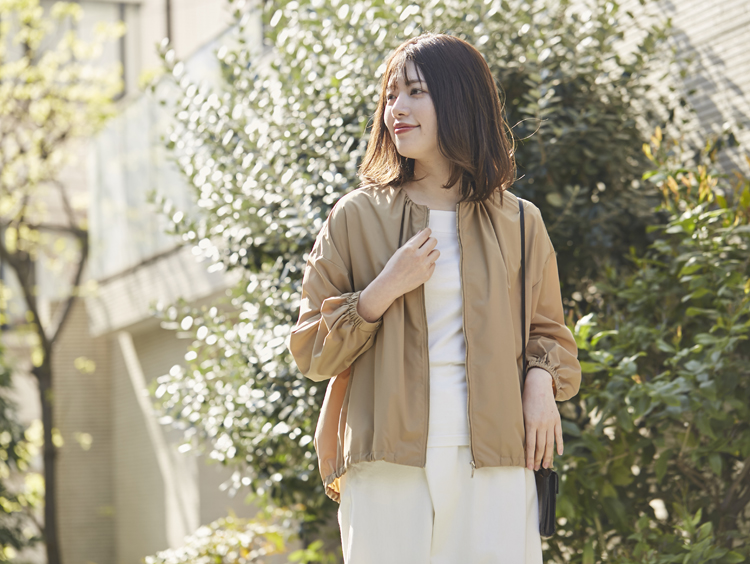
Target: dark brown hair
(470, 122)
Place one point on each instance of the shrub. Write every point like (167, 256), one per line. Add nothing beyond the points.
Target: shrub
(656, 466)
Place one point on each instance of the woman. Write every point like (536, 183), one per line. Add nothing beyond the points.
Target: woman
(411, 308)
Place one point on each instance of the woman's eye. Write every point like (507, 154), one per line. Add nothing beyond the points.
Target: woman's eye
(413, 91)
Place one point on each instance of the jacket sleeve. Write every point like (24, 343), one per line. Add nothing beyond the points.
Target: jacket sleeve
(551, 344)
(329, 334)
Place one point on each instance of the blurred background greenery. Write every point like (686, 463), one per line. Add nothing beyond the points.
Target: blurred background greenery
(180, 271)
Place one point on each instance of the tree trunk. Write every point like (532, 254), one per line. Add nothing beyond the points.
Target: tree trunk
(46, 395)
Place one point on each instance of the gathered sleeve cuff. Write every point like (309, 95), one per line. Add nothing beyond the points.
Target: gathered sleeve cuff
(330, 333)
(350, 310)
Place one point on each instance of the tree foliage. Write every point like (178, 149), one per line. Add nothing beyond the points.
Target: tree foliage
(231, 540)
(21, 489)
(271, 149)
(657, 466)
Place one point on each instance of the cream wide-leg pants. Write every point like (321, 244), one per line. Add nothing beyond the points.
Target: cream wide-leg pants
(395, 514)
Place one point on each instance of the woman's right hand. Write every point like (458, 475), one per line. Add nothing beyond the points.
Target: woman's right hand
(412, 264)
(409, 267)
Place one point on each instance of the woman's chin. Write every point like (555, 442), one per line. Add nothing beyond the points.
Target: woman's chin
(408, 154)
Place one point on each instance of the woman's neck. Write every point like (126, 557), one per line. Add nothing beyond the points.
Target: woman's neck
(435, 198)
(429, 190)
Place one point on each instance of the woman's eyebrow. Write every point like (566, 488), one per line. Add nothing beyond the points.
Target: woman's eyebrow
(415, 81)
(394, 86)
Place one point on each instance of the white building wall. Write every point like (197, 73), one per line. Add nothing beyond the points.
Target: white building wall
(83, 401)
(715, 35)
(155, 494)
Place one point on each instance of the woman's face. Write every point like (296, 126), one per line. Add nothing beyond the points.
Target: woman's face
(410, 116)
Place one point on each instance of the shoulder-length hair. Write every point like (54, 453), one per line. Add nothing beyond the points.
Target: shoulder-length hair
(470, 122)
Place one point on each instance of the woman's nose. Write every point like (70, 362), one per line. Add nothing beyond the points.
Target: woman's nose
(400, 105)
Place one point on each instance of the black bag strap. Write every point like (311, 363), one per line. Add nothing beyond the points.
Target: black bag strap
(523, 290)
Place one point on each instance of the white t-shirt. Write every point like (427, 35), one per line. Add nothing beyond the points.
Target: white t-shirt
(449, 423)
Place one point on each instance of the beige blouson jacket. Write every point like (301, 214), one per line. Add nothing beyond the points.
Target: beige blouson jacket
(377, 401)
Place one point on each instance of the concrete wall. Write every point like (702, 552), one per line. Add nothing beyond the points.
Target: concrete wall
(715, 36)
(83, 402)
(155, 494)
(125, 490)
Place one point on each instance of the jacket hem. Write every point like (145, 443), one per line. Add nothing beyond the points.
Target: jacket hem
(350, 460)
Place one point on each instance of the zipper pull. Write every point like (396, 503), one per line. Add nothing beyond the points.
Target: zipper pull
(472, 468)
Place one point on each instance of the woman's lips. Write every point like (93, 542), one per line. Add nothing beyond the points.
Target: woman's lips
(405, 129)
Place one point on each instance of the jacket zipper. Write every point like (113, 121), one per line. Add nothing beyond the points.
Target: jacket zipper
(427, 356)
(466, 358)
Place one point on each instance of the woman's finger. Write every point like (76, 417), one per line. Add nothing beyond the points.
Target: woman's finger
(549, 450)
(541, 443)
(530, 446)
(559, 436)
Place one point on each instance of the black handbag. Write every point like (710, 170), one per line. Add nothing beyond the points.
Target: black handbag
(547, 485)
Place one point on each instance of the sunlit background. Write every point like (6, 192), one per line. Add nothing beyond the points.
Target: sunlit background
(162, 182)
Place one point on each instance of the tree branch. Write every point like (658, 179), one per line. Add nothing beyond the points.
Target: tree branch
(740, 477)
(57, 326)
(76, 231)
(66, 203)
(23, 271)
(691, 474)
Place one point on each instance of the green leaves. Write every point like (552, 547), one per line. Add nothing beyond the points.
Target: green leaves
(48, 95)
(664, 391)
(21, 488)
(231, 540)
